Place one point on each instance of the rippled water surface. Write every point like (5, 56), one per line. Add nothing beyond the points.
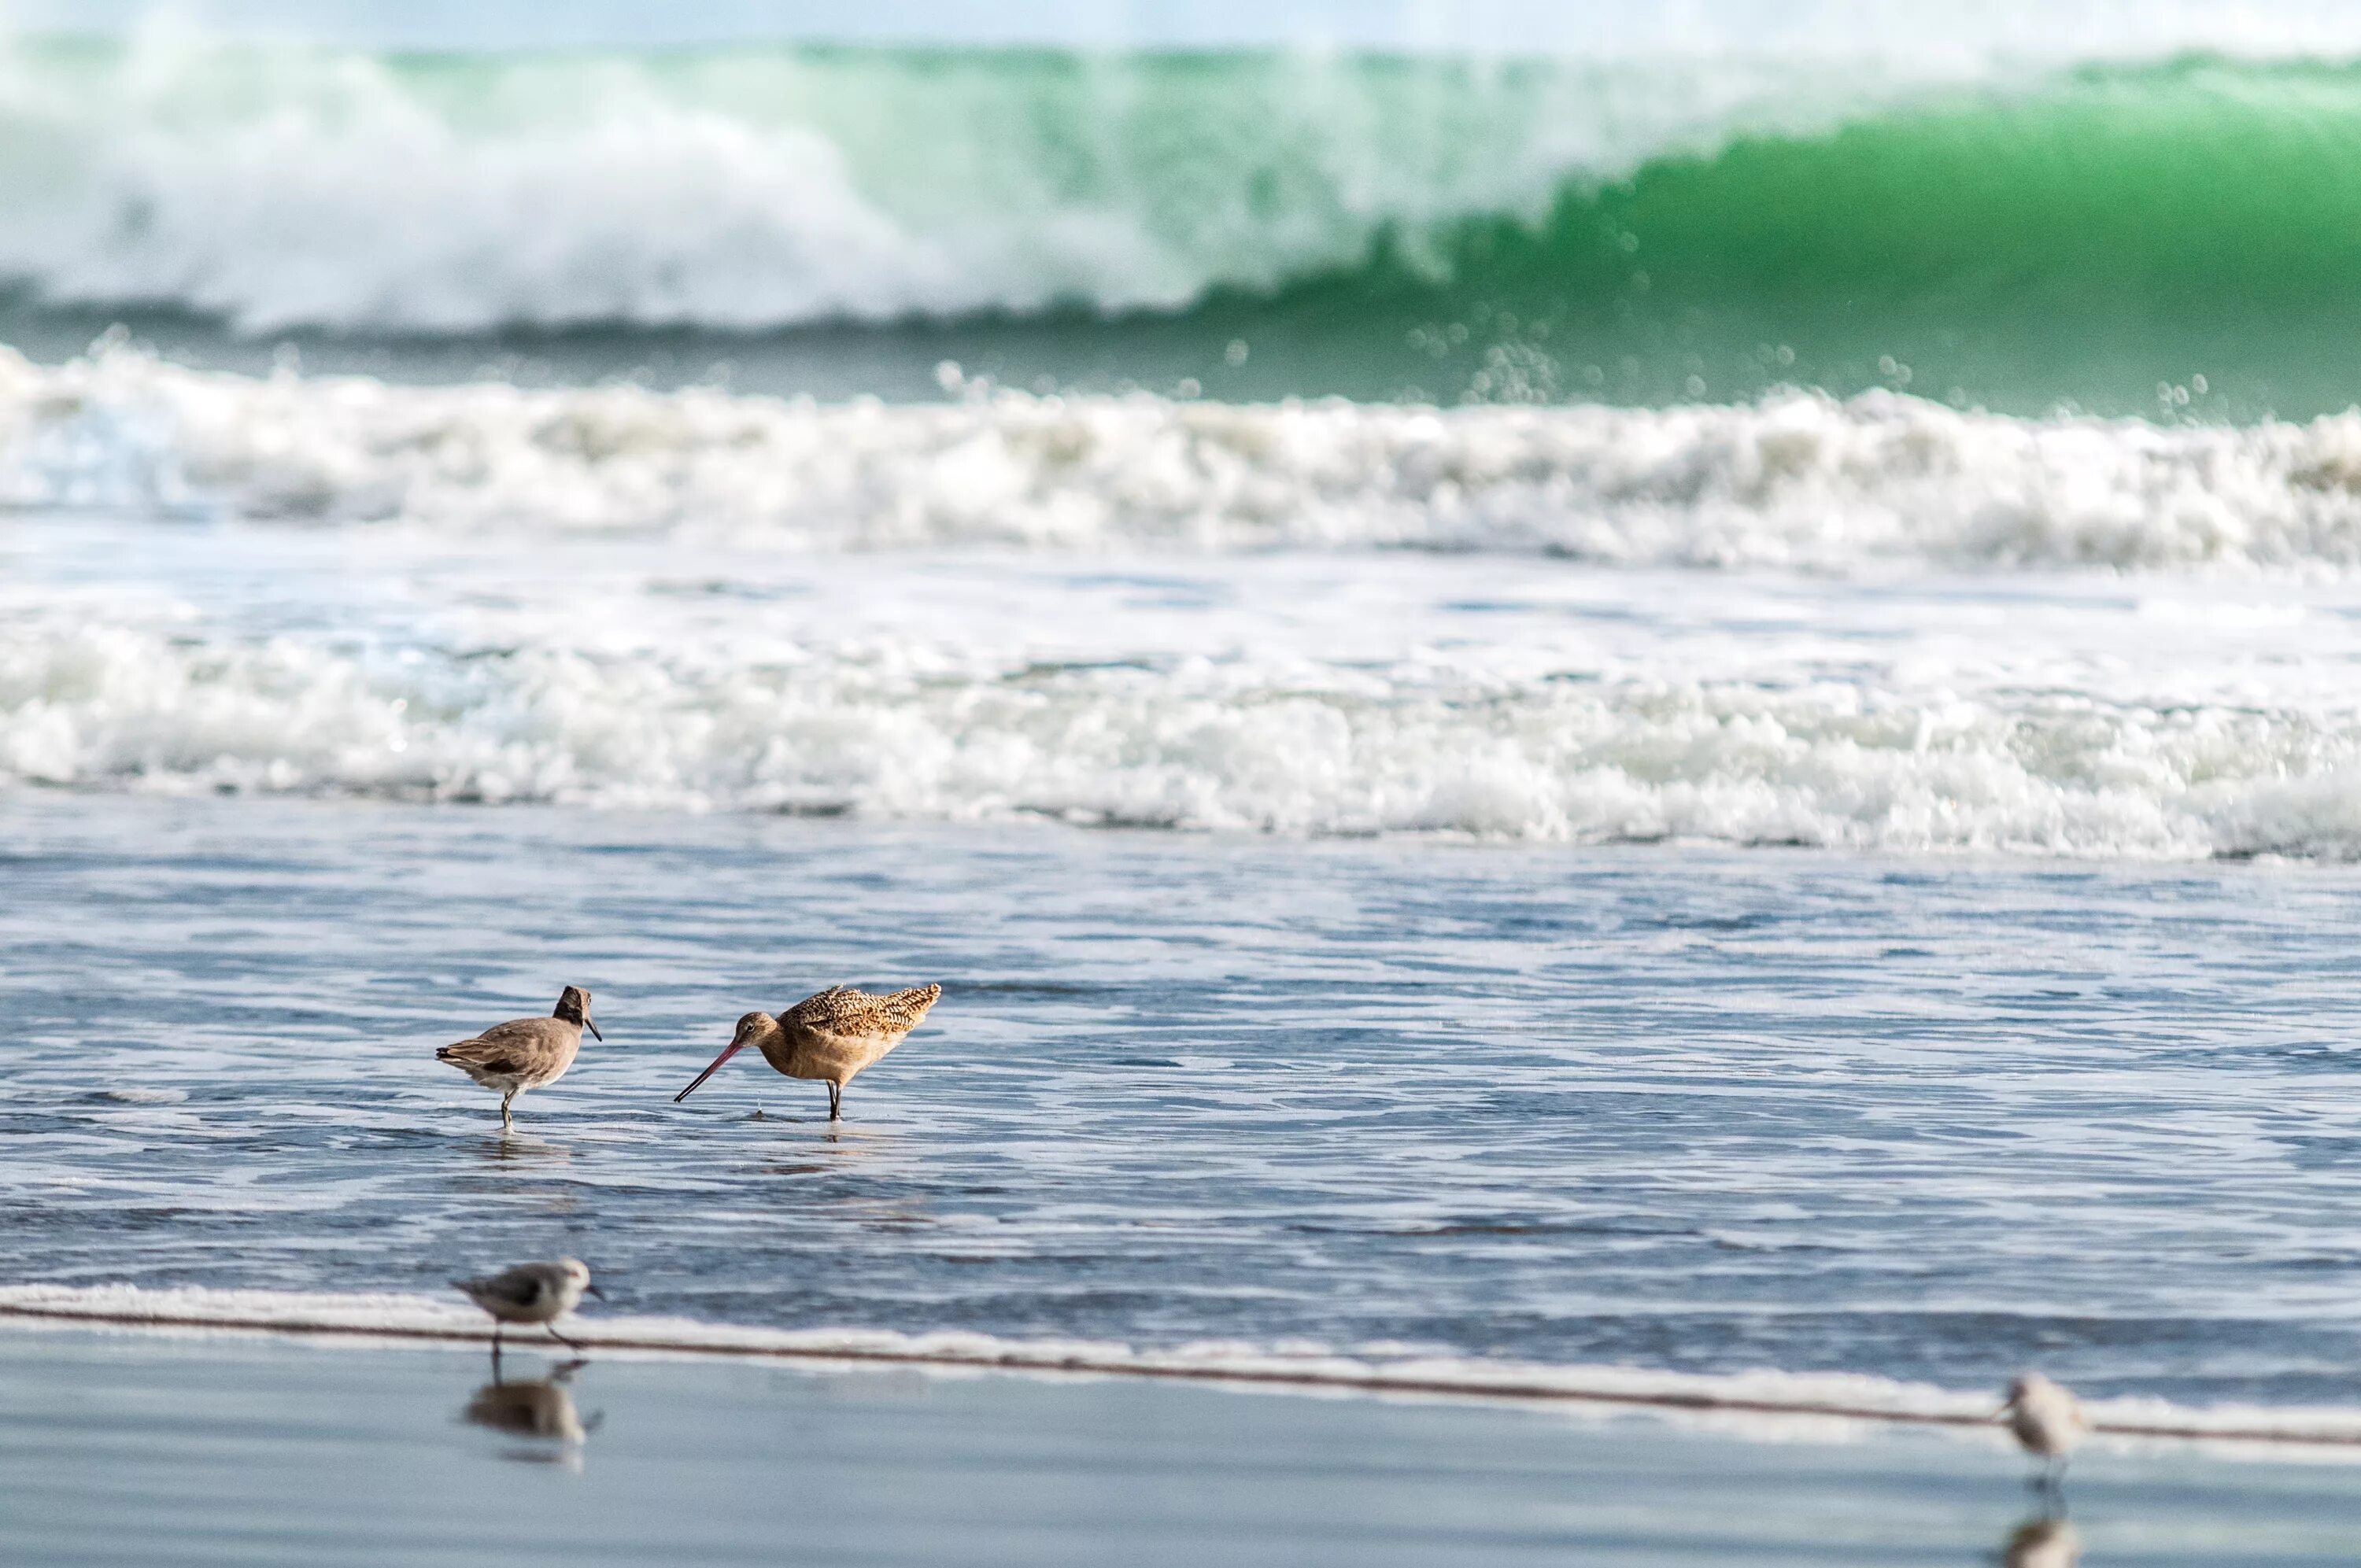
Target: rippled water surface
(1689, 1109)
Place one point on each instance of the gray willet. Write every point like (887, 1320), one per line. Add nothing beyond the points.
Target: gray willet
(831, 1036)
(2048, 1422)
(530, 1293)
(525, 1053)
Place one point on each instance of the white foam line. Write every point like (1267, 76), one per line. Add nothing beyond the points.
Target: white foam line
(1847, 1396)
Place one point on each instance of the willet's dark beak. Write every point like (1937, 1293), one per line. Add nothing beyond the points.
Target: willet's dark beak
(593, 1028)
(594, 1291)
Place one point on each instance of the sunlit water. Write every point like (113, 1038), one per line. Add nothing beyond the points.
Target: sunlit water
(1699, 1110)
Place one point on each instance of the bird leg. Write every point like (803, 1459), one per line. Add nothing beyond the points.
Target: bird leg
(507, 1120)
(835, 1101)
(562, 1339)
(2050, 1483)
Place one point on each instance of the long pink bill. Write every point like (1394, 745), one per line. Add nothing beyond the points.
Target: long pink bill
(735, 1047)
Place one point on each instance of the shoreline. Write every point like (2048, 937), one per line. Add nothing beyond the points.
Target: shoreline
(117, 1448)
(1807, 1397)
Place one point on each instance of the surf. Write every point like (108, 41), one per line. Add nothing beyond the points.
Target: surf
(1258, 223)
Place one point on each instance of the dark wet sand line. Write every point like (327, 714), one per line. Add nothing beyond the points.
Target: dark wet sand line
(1525, 1393)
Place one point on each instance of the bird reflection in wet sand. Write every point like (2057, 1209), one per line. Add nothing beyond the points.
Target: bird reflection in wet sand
(539, 1409)
(2046, 1540)
(831, 1036)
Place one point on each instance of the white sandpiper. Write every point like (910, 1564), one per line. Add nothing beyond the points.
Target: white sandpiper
(2047, 1420)
(532, 1293)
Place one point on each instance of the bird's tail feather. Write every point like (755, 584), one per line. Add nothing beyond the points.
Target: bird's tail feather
(911, 1005)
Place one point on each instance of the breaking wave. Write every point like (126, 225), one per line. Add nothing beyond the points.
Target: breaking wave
(914, 730)
(1534, 230)
(1796, 480)
(277, 187)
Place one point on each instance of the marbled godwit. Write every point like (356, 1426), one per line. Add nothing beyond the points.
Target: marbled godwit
(831, 1036)
(525, 1053)
(530, 1293)
(2047, 1420)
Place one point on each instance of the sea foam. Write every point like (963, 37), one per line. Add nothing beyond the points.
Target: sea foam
(1796, 480)
(911, 729)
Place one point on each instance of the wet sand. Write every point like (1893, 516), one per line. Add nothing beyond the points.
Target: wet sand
(249, 1450)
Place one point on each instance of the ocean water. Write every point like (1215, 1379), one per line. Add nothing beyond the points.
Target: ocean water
(1686, 710)
(1705, 1111)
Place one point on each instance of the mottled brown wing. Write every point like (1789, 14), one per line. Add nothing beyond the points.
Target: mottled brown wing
(840, 1010)
(829, 1009)
(903, 1010)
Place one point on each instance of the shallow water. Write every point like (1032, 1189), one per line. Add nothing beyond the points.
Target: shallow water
(1681, 1109)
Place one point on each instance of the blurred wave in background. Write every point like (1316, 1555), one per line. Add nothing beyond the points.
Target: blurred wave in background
(2108, 208)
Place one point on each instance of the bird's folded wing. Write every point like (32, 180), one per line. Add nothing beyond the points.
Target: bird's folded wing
(516, 1287)
(503, 1048)
(487, 1054)
(844, 1011)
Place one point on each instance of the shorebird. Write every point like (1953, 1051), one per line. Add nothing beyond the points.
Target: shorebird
(530, 1293)
(831, 1036)
(2047, 1420)
(525, 1053)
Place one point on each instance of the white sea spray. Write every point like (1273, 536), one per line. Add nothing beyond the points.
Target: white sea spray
(1797, 480)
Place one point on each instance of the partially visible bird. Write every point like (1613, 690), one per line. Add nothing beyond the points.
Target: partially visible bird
(532, 1293)
(2047, 1420)
(831, 1036)
(525, 1053)
(2046, 1542)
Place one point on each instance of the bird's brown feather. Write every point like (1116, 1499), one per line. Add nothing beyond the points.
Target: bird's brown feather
(840, 1010)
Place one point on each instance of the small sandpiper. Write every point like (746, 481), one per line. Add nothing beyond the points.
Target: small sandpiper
(532, 1293)
(525, 1053)
(2047, 1420)
(831, 1036)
